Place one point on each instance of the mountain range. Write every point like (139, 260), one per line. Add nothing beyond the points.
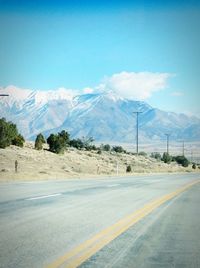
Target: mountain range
(104, 116)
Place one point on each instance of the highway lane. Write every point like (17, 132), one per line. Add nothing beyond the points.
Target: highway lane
(41, 221)
(168, 237)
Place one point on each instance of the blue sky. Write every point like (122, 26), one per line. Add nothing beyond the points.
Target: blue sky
(81, 44)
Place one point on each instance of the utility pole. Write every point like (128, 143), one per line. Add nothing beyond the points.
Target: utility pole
(191, 153)
(183, 148)
(137, 132)
(167, 135)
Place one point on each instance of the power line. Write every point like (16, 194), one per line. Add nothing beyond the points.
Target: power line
(137, 132)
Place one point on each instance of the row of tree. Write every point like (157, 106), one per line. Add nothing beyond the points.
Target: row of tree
(60, 141)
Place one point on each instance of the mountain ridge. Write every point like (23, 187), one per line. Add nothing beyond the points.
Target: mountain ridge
(104, 116)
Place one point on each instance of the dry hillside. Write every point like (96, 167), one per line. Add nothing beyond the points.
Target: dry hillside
(34, 165)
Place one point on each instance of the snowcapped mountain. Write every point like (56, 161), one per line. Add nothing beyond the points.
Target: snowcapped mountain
(35, 111)
(104, 116)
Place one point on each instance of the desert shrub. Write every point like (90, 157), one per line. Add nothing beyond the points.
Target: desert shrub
(99, 152)
(128, 168)
(87, 143)
(91, 147)
(84, 143)
(58, 142)
(76, 143)
(18, 141)
(182, 160)
(166, 158)
(105, 147)
(118, 149)
(9, 134)
(194, 166)
(156, 155)
(39, 141)
(142, 153)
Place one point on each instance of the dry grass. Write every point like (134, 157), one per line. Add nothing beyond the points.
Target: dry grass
(35, 165)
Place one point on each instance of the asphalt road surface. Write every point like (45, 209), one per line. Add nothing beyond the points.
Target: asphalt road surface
(144, 221)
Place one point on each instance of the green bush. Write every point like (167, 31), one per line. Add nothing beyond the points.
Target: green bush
(84, 143)
(9, 134)
(128, 168)
(18, 141)
(142, 153)
(105, 147)
(76, 143)
(118, 149)
(91, 147)
(99, 152)
(182, 160)
(166, 158)
(194, 166)
(156, 155)
(58, 142)
(39, 141)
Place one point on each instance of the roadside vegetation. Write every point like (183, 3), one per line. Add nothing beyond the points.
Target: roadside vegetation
(9, 134)
(39, 141)
(167, 158)
(61, 142)
(58, 143)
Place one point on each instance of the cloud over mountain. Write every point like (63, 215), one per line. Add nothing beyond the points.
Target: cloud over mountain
(137, 86)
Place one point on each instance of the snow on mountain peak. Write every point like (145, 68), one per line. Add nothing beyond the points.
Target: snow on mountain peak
(104, 115)
(15, 93)
(42, 97)
(112, 96)
(18, 95)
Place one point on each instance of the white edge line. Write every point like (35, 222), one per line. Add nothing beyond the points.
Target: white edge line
(44, 196)
(113, 185)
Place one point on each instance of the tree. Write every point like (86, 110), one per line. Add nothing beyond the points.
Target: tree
(65, 136)
(51, 141)
(4, 134)
(58, 142)
(166, 158)
(9, 134)
(18, 141)
(39, 141)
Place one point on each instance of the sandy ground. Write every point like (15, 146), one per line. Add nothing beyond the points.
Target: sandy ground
(35, 165)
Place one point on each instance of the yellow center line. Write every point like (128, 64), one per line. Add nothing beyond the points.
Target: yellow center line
(85, 250)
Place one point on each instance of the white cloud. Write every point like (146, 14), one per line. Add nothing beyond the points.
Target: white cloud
(137, 86)
(177, 93)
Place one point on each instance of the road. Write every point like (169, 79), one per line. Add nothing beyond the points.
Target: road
(144, 221)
